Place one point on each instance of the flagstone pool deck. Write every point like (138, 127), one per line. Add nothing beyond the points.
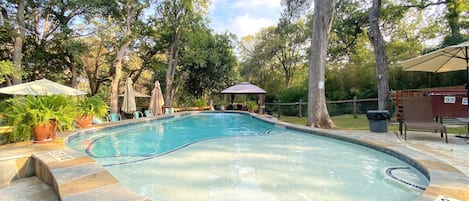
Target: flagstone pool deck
(70, 175)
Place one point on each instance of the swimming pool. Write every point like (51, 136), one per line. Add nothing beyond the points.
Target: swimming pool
(220, 156)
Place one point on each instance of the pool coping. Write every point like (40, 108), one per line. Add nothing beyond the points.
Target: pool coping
(75, 176)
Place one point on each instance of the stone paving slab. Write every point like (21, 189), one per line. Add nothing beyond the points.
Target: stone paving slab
(28, 189)
(119, 192)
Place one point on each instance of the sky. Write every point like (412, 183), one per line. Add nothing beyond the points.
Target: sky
(243, 17)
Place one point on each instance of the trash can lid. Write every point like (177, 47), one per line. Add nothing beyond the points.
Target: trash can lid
(377, 114)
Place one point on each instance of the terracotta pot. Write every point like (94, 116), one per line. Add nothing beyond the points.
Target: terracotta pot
(84, 121)
(45, 132)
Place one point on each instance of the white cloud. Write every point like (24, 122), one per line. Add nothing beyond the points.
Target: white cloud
(246, 25)
(243, 17)
(247, 4)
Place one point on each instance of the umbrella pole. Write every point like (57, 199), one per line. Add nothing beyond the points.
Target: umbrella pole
(467, 86)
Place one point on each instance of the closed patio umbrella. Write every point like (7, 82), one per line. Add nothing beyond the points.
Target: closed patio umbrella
(156, 100)
(128, 104)
(42, 87)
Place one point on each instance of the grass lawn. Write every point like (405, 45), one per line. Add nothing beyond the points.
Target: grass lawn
(347, 122)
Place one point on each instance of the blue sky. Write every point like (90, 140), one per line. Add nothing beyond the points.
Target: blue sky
(243, 17)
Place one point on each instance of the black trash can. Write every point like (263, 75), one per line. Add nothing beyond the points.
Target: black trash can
(378, 120)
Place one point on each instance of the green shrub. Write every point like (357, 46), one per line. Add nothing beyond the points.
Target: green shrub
(251, 105)
(23, 113)
(94, 106)
(200, 102)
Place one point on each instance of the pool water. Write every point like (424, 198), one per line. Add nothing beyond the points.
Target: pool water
(218, 156)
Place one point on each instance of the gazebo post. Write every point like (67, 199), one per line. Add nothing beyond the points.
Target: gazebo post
(261, 103)
(232, 98)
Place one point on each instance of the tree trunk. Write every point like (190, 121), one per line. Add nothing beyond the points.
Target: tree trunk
(318, 116)
(172, 64)
(18, 46)
(118, 62)
(93, 74)
(374, 34)
(74, 70)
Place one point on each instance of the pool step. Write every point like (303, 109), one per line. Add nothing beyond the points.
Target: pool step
(389, 172)
(74, 176)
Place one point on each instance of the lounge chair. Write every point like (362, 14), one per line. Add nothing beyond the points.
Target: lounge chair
(169, 110)
(113, 117)
(148, 113)
(138, 115)
(417, 114)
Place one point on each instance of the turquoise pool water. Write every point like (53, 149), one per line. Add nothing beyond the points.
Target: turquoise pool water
(219, 156)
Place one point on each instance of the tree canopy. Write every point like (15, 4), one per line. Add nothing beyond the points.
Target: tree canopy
(93, 45)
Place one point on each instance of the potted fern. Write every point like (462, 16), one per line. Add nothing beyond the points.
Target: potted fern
(89, 107)
(252, 106)
(39, 116)
(222, 104)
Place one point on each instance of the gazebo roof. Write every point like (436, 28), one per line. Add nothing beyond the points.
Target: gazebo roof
(244, 88)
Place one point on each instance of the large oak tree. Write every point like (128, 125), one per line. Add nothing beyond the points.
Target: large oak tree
(318, 116)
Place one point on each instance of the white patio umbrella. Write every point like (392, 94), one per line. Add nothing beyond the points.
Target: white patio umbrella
(156, 100)
(128, 105)
(451, 58)
(42, 87)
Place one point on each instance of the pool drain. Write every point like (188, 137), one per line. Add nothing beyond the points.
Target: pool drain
(390, 174)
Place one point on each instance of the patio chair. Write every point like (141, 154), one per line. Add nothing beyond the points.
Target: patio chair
(138, 115)
(113, 117)
(417, 114)
(148, 113)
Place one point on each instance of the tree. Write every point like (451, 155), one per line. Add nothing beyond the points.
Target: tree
(7, 69)
(290, 37)
(208, 61)
(97, 60)
(17, 38)
(258, 63)
(176, 18)
(127, 13)
(18, 47)
(376, 39)
(318, 116)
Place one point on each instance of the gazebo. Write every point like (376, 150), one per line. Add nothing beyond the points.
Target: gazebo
(248, 89)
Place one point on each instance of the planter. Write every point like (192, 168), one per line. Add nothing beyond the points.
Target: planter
(45, 132)
(84, 121)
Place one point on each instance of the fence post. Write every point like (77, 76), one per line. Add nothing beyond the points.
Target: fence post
(278, 108)
(354, 107)
(299, 109)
